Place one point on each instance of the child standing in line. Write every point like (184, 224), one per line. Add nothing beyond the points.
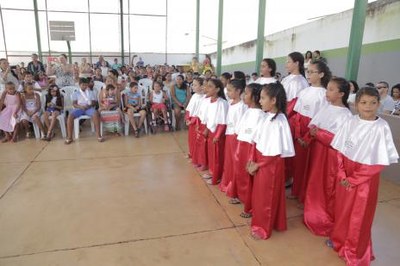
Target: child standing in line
(191, 116)
(321, 170)
(235, 112)
(308, 104)
(272, 143)
(268, 69)
(365, 145)
(296, 81)
(215, 130)
(54, 106)
(240, 191)
(11, 101)
(31, 109)
(200, 153)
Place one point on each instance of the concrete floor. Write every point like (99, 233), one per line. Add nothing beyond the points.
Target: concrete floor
(134, 201)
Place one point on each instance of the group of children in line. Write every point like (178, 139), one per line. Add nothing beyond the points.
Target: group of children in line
(268, 132)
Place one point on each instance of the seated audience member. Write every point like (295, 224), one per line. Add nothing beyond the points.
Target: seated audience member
(84, 102)
(28, 78)
(387, 103)
(395, 93)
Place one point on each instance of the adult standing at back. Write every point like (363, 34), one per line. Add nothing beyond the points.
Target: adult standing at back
(6, 74)
(64, 72)
(317, 56)
(35, 66)
(180, 94)
(387, 102)
(102, 62)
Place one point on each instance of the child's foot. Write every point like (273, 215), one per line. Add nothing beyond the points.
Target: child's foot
(6, 139)
(137, 133)
(234, 201)
(101, 139)
(210, 182)
(202, 168)
(245, 215)
(44, 137)
(255, 236)
(166, 128)
(206, 176)
(68, 141)
(28, 135)
(329, 243)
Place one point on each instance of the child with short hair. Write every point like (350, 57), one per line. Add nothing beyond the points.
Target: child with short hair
(31, 110)
(10, 106)
(365, 145)
(321, 167)
(157, 100)
(133, 105)
(54, 106)
(272, 143)
(236, 110)
(240, 190)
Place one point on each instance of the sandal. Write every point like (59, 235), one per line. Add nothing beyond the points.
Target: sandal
(166, 128)
(67, 141)
(245, 215)
(234, 201)
(101, 139)
(137, 131)
(206, 176)
(329, 243)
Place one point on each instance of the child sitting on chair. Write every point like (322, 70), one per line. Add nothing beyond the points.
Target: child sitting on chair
(157, 100)
(132, 103)
(110, 112)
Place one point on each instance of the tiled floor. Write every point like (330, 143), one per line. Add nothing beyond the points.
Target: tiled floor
(134, 201)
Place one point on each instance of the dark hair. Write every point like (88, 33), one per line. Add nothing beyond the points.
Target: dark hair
(272, 65)
(226, 75)
(83, 80)
(370, 84)
(159, 83)
(370, 91)
(58, 95)
(276, 90)
(255, 89)
(110, 87)
(355, 85)
(397, 86)
(317, 52)
(298, 57)
(254, 74)
(133, 84)
(199, 80)
(239, 75)
(218, 84)
(64, 55)
(344, 86)
(323, 68)
(308, 52)
(28, 73)
(115, 72)
(184, 85)
(238, 85)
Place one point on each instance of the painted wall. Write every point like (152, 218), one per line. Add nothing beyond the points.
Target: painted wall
(330, 35)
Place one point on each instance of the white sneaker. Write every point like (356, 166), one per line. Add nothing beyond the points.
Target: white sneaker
(206, 176)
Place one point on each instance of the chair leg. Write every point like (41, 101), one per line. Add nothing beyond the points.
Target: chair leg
(145, 126)
(36, 130)
(76, 128)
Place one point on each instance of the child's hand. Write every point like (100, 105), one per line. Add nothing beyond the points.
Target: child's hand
(302, 143)
(252, 168)
(15, 115)
(188, 123)
(313, 131)
(205, 133)
(215, 140)
(345, 183)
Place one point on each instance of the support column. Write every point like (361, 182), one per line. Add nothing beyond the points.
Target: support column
(122, 31)
(219, 42)
(356, 38)
(90, 34)
(39, 43)
(197, 28)
(260, 34)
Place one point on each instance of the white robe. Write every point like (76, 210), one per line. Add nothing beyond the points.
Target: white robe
(247, 126)
(366, 142)
(263, 80)
(293, 84)
(216, 114)
(193, 103)
(310, 101)
(274, 137)
(331, 118)
(235, 113)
